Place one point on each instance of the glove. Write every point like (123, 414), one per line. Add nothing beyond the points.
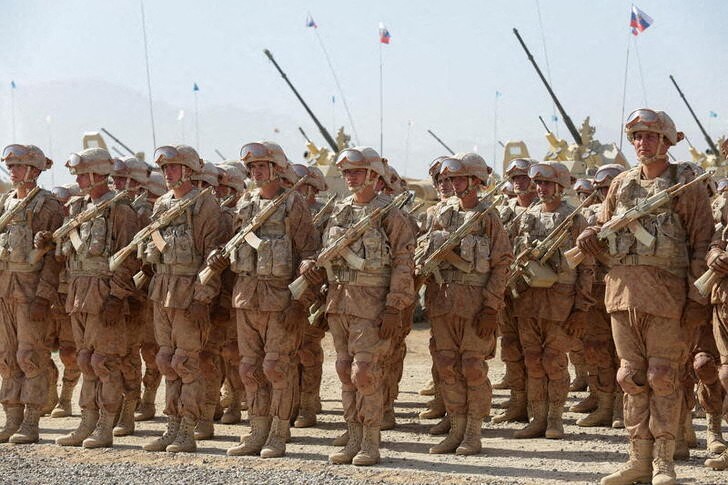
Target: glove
(39, 308)
(391, 322)
(43, 240)
(717, 260)
(198, 313)
(217, 262)
(315, 276)
(694, 314)
(113, 310)
(576, 323)
(295, 316)
(588, 242)
(487, 322)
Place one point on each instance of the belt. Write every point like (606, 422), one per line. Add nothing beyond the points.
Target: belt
(469, 279)
(646, 260)
(361, 278)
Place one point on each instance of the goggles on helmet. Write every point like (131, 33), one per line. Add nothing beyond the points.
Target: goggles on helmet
(644, 116)
(16, 151)
(517, 167)
(166, 152)
(583, 185)
(255, 151)
(540, 171)
(74, 160)
(301, 170)
(352, 157)
(451, 167)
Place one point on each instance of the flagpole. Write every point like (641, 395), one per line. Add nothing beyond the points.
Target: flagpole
(50, 148)
(642, 75)
(624, 93)
(197, 122)
(381, 102)
(333, 114)
(149, 75)
(12, 108)
(495, 125)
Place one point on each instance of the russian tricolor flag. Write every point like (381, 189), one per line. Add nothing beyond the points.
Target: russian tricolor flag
(310, 22)
(639, 21)
(384, 34)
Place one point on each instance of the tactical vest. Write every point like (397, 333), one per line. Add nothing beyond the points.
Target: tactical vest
(172, 248)
(372, 247)
(669, 249)
(16, 240)
(273, 259)
(591, 212)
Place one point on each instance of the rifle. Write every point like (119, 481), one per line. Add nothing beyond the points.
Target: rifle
(415, 207)
(710, 278)
(164, 219)
(247, 233)
(340, 247)
(430, 265)
(541, 252)
(514, 222)
(9, 215)
(324, 212)
(630, 220)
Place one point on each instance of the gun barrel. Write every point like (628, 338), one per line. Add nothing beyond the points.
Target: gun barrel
(107, 133)
(441, 142)
(708, 139)
(567, 120)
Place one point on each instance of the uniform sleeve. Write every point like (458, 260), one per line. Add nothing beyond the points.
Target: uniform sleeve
(501, 256)
(124, 224)
(583, 300)
(610, 202)
(49, 218)
(305, 237)
(402, 248)
(693, 207)
(209, 232)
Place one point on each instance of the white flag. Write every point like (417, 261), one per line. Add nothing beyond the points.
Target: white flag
(180, 115)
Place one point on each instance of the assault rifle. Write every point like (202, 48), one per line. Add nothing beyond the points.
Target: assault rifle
(340, 247)
(424, 267)
(9, 215)
(247, 233)
(324, 212)
(540, 252)
(630, 220)
(162, 220)
(710, 278)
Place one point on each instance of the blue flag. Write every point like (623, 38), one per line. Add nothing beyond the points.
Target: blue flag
(554, 118)
(12, 85)
(713, 114)
(195, 87)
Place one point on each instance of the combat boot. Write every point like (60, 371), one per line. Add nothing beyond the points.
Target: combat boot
(342, 439)
(227, 394)
(388, 419)
(233, 413)
(52, 399)
(554, 423)
(714, 437)
(602, 415)
(307, 412)
(63, 408)
(719, 463)
(102, 436)
(637, 470)
(146, 409)
(471, 444)
(663, 469)
(516, 411)
(435, 408)
(348, 452)
(503, 383)
(429, 389)
(537, 427)
(580, 383)
(185, 439)
(442, 427)
(161, 443)
(454, 436)
(618, 410)
(205, 429)
(369, 451)
(586, 405)
(13, 420)
(690, 437)
(253, 442)
(125, 425)
(89, 418)
(28, 431)
(275, 445)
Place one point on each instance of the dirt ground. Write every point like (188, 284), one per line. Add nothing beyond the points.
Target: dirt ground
(585, 455)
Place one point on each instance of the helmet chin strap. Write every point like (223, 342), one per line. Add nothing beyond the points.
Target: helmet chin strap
(468, 190)
(272, 177)
(28, 179)
(367, 182)
(654, 158)
(553, 197)
(186, 174)
(94, 183)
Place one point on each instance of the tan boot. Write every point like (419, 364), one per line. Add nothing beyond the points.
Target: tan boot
(205, 429)
(516, 411)
(13, 420)
(161, 443)
(690, 437)
(184, 442)
(28, 431)
(275, 445)
(125, 425)
(52, 399)
(663, 468)
(618, 410)
(227, 394)
(146, 409)
(586, 405)
(441, 428)
(714, 437)
(554, 423)
(388, 419)
(435, 408)
(719, 463)
(537, 427)
(253, 442)
(454, 436)
(429, 389)
(471, 444)
(342, 439)
(64, 409)
(348, 452)
(233, 414)
(307, 411)
(602, 415)
(89, 418)
(637, 470)
(369, 451)
(579, 384)
(102, 436)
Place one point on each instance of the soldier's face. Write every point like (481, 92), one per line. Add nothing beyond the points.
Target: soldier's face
(83, 180)
(647, 144)
(354, 177)
(18, 172)
(259, 171)
(172, 173)
(121, 183)
(223, 191)
(459, 184)
(521, 184)
(545, 190)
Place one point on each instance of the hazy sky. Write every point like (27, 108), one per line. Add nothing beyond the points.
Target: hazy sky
(80, 64)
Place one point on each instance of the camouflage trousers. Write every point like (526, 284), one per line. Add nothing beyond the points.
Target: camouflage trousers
(393, 364)
(720, 332)
(600, 355)
(511, 351)
(60, 338)
(701, 368)
(311, 358)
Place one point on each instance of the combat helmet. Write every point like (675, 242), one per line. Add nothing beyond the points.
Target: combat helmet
(209, 174)
(31, 155)
(646, 119)
(233, 176)
(156, 185)
(551, 172)
(466, 164)
(179, 154)
(361, 157)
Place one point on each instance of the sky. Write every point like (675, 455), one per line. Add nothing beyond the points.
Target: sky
(79, 65)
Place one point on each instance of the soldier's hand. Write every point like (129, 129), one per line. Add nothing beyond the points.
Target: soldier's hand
(487, 322)
(695, 314)
(113, 310)
(39, 308)
(148, 270)
(576, 324)
(198, 313)
(717, 260)
(43, 240)
(216, 261)
(315, 276)
(295, 316)
(588, 242)
(391, 322)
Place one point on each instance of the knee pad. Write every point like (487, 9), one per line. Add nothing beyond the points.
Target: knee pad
(275, 369)
(364, 376)
(534, 363)
(84, 361)
(343, 369)
(661, 376)
(445, 361)
(723, 375)
(186, 365)
(554, 363)
(29, 362)
(68, 356)
(705, 368)
(250, 372)
(164, 363)
(100, 364)
(475, 368)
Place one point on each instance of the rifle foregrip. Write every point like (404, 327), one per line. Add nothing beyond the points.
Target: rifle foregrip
(205, 275)
(120, 256)
(574, 257)
(298, 286)
(705, 283)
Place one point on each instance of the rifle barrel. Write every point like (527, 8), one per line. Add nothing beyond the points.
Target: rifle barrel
(708, 139)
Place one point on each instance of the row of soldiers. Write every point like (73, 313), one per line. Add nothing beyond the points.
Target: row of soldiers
(246, 287)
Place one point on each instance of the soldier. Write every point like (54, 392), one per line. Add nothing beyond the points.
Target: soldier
(269, 322)
(583, 189)
(181, 302)
(649, 293)
(97, 296)
(463, 308)
(364, 307)
(720, 203)
(553, 309)
(27, 289)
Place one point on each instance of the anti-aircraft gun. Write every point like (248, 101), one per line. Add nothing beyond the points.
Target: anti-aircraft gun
(586, 154)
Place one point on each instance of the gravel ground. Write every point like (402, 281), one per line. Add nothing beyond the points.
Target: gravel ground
(583, 457)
